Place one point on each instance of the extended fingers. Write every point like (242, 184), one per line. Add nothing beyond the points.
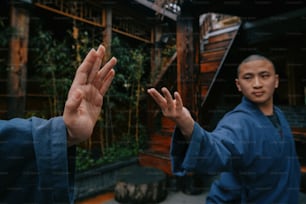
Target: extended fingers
(107, 82)
(168, 98)
(166, 102)
(97, 64)
(103, 73)
(178, 100)
(89, 67)
(158, 98)
(82, 72)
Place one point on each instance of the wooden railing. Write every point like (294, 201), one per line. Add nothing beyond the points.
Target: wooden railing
(299, 134)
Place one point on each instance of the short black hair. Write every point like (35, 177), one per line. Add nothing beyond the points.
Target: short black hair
(252, 58)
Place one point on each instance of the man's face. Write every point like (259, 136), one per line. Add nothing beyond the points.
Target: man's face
(257, 81)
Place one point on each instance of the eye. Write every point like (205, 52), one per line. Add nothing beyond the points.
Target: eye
(247, 77)
(265, 75)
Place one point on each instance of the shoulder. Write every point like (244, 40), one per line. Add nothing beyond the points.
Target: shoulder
(279, 111)
(239, 113)
(242, 116)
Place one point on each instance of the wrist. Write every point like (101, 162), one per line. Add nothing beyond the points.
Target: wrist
(70, 139)
(185, 123)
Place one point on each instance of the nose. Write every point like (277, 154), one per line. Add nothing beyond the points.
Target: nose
(257, 82)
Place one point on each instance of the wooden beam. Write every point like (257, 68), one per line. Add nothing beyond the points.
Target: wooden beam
(163, 70)
(54, 10)
(131, 35)
(158, 9)
(59, 7)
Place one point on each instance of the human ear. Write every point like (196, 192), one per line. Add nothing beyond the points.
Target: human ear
(276, 81)
(237, 84)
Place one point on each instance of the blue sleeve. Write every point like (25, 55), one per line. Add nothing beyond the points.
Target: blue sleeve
(36, 156)
(208, 152)
(184, 155)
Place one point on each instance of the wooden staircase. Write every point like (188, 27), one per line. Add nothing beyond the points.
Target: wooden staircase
(157, 154)
(216, 47)
(215, 51)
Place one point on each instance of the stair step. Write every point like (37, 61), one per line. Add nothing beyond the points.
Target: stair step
(167, 125)
(209, 66)
(222, 37)
(216, 55)
(156, 160)
(159, 143)
(206, 77)
(216, 45)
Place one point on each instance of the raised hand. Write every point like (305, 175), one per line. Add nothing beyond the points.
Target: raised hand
(174, 109)
(85, 97)
(171, 108)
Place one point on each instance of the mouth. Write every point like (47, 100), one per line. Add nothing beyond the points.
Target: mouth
(258, 93)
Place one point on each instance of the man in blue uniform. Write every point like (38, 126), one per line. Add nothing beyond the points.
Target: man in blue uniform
(252, 146)
(36, 155)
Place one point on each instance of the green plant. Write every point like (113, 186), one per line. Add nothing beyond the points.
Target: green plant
(85, 160)
(5, 34)
(122, 106)
(119, 151)
(54, 61)
(54, 65)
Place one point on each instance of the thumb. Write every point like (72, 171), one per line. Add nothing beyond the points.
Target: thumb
(73, 102)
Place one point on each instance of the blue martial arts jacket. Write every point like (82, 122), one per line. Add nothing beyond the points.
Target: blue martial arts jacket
(256, 161)
(35, 164)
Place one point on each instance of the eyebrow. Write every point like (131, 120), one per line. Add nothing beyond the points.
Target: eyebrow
(261, 72)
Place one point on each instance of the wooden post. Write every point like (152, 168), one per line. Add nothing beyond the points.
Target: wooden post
(155, 69)
(185, 60)
(18, 57)
(107, 36)
(156, 53)
(107, 41)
